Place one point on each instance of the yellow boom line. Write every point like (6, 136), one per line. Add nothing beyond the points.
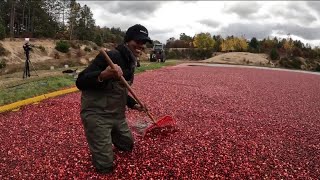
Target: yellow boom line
(36, 99)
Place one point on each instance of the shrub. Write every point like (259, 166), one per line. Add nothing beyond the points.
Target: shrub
(172, 54)
(98, 40)
(291, 64)
(199, 54)
(297, 52)
(74, 44)
(43, 49)
(274, 55)
(86, 42)
(56, 55)
(87, 49)
(3, 63)
(284, 62)
(261, 64)
(296, 63)
(3, 51)
(191, 53)
(317, 67)
(62, 46)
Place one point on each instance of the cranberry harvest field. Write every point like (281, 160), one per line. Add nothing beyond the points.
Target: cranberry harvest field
(236, 123)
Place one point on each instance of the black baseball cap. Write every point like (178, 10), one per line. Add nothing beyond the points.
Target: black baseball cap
(137, 32)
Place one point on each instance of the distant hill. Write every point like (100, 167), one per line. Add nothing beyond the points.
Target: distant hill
(240, 58)
(261, 59)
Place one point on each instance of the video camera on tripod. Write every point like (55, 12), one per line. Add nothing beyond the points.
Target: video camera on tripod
(27, 48)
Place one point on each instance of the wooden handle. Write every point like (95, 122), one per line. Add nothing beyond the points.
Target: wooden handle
(126, 83)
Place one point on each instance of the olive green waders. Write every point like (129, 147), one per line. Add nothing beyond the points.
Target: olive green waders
(104, 122)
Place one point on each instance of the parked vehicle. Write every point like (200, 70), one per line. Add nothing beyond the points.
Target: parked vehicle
(157, 53)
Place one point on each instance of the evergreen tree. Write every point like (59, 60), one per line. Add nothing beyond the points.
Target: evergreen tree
(2, 30)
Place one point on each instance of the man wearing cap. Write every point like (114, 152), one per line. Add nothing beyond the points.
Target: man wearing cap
(104, 99)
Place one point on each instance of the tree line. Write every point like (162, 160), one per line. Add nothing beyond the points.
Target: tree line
(57, 19)
(216, 43)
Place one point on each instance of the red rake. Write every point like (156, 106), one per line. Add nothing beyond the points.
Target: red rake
(163, 122)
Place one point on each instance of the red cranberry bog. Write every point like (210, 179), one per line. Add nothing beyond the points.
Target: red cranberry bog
(232, 123)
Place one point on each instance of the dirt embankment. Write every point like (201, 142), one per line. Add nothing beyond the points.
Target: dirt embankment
(43, 49)
(44, 55)
(244, 58)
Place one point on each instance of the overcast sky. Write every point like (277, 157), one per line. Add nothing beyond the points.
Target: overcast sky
(165, 19)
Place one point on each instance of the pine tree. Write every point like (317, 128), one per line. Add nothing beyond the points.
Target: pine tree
(2, 30)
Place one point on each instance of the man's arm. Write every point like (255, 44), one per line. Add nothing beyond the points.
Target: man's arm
(92, 77)
(131, 102)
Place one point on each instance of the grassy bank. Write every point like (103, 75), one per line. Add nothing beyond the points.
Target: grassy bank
(34, 88)
(39, 86)
(154, 65)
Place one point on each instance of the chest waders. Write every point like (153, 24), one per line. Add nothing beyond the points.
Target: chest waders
(104, 121)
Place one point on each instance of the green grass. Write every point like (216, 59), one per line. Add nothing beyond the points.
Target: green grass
(34, 88)
(154, 65)
(39, 86)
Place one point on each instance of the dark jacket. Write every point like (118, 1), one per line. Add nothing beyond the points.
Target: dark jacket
(88, 78)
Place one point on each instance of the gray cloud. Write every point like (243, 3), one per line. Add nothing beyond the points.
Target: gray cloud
(135, 8)
(158, 34)
(295, 11)
(261, 17)
(112, 20)
(210, 23)
(161, 31)
(123, 14)
(243, 9)
(315, 5)
(248, 30)
(139, 9)
(264, 30)
(304, 32)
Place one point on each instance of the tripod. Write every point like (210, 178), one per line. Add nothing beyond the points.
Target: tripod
(26, 70)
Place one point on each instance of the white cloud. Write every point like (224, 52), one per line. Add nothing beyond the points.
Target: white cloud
(165, 19)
